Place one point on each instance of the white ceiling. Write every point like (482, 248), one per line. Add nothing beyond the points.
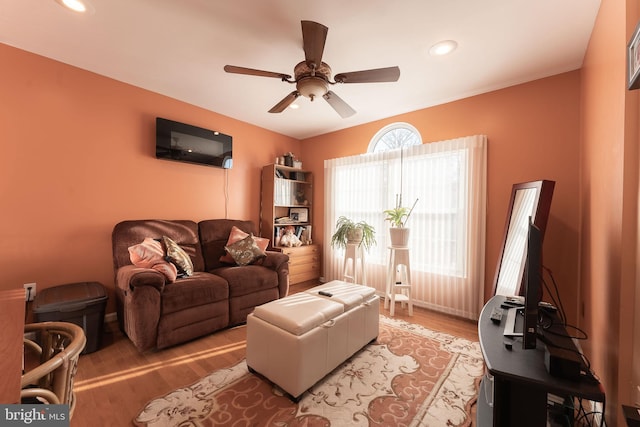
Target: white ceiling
(179, 48)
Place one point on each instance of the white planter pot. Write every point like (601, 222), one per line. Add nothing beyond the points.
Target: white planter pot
(399, 237)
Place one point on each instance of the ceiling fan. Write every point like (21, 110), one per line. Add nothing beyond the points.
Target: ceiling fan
(313, 77)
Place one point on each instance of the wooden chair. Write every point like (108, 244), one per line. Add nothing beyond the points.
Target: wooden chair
(58, 346)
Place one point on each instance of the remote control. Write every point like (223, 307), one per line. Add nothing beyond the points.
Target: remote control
(326, 294)
(496, 315)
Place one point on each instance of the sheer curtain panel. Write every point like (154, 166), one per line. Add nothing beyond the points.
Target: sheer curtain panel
(447, 225)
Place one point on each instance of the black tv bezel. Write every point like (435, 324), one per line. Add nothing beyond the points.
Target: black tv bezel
(165, 151)
(533, 286)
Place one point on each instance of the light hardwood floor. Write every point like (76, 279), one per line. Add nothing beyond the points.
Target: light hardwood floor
(114, 383)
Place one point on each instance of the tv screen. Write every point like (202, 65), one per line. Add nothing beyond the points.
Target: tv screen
(192, 144)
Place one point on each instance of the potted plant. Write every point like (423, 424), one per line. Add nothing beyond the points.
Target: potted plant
(398, 218)
(348, 231)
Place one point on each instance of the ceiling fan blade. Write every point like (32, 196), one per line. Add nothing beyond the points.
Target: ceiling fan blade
(314, 36)
(389, 74)
(252, 72)
(339, 105)
(286, 101)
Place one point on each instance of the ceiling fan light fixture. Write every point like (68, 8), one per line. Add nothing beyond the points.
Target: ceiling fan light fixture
(79, 6)
(444, 47)
(313, 77)
(312, 87)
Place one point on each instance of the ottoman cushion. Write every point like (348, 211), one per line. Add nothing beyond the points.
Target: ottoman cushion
(298, 313)
(348, 294)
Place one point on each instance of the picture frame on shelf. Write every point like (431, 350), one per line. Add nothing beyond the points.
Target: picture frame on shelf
(299, 214)
(633, 60)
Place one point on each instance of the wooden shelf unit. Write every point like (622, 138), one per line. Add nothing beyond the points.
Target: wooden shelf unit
(287, 195)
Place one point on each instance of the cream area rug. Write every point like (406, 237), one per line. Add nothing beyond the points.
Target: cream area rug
(410, 376)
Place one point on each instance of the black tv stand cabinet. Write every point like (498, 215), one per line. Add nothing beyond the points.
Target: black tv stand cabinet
(514, 390)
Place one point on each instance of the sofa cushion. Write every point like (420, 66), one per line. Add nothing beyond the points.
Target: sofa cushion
(248, 279)
(214, 235)
(199, 289)
(132, 232)
(177, 256)
(150, 254)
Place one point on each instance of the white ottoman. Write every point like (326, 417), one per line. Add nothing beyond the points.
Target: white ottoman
(297, 340)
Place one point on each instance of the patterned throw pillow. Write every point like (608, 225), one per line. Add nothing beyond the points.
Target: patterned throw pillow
(150, 254)
(245, 251)
(235, 235)
(176, 255)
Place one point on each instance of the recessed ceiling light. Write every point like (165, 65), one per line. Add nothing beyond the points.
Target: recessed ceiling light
(75, 5)
(443, 47)
(294, 106)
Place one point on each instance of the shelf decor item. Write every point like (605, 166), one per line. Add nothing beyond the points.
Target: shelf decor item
(633, 60)
(299, 214)
(348, 231)
(288, 159)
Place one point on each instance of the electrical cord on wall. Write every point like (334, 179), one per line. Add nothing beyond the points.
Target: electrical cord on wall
(557, 303)
(226, 194)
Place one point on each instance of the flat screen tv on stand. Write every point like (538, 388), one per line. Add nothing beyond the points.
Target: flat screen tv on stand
(533, 286)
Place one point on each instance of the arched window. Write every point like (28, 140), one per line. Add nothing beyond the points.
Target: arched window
(393, 136)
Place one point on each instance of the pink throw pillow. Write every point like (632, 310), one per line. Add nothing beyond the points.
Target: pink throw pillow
(150, 254)
(236, 235)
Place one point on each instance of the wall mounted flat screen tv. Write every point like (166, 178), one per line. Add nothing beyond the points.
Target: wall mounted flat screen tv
(192, 144)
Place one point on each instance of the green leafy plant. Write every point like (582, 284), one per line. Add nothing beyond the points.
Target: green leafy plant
(348, 231)
(399, 215)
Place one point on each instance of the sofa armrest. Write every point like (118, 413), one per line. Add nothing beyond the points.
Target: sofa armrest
(130, 277)
(139, 299)
(279, 262)
(275, 260)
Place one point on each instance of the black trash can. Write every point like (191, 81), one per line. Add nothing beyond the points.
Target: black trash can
(81, 303)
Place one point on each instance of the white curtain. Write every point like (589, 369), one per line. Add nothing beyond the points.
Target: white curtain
(447, 226)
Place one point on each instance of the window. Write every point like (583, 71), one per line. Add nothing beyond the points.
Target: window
(446, 226)
(394, 136)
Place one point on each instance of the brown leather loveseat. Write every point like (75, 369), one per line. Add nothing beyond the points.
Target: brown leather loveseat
(155, 313)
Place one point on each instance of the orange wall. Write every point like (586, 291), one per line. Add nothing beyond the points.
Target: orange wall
(78, 155)
(533, 133)
(609, 202)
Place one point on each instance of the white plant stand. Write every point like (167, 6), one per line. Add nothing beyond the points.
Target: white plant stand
(354, 270)
(398, 290)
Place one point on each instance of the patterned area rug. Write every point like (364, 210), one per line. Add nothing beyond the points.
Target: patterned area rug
(411, 376)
